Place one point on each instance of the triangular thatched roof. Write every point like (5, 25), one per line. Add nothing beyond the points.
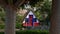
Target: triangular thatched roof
(27, 14)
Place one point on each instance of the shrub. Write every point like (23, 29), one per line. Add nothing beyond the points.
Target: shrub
(1, 32)
(2, 26)
(18, 25)
(30, 32)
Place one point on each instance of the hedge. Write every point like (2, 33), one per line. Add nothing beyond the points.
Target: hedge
(30, 32)
(1, 32)
(2, 26)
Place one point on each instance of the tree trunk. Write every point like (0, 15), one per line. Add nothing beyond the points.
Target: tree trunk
(10, 21)
(55, 18)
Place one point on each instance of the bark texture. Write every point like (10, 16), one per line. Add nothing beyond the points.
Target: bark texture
(55, 17)
(10, 20)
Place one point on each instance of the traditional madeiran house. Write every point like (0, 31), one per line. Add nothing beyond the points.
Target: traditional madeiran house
(30, 20)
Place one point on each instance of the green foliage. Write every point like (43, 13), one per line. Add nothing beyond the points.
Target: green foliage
(33, 2)
(18, 25)
(32, 32)
(19, 20)
(2, 26)
(1, 32)
(2, 15)
(46, 7)
(39, 16)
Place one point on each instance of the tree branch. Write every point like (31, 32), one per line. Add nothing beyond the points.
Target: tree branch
(19, 3)
(2, 3)
(10, 2)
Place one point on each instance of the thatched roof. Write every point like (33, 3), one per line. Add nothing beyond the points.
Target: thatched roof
(27, 14)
